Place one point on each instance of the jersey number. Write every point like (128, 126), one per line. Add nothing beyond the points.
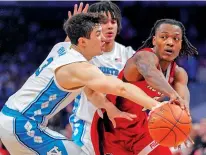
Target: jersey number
(40, 69)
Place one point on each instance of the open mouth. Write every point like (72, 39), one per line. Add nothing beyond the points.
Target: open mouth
(169, 51)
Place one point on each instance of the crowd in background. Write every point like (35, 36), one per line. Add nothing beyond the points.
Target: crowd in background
(27, 34)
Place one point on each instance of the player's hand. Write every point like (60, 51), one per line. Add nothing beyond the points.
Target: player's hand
(116, 113)
(181, 102)
(160, 99)
(176, 99)
(78, 10)
(189, 139)
(157, 106)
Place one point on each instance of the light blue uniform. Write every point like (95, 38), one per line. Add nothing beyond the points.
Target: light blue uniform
(24, 117)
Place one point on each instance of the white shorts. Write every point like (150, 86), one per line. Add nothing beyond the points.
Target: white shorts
(24, 136)
(81, 135)
(80, 120)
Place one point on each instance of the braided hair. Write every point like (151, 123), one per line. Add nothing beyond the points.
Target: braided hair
(187, 48)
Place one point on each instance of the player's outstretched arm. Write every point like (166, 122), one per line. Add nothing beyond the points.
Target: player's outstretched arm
(84, 74)
(180, 85)
(146, 63)
(100, 101)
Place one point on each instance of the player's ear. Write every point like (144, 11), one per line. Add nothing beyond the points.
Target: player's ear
(82, 41)
(154, 40)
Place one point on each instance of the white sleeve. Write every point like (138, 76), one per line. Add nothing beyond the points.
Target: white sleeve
(67, 58)
(129, 52)
(64, 58)
(57, 47)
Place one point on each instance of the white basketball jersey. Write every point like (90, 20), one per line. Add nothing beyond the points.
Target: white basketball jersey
(41, 97)
(110, 63)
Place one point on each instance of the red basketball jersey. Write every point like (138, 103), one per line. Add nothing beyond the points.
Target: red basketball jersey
(137, 128)
(143, 84)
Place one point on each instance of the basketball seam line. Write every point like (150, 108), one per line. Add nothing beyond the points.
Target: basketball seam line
(178, 121)
(181, 123)
(170, 122)
(174, 116)
(171, 129)
(168, 127)
(174, 125)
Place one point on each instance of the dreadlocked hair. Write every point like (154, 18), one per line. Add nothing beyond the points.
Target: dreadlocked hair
(187, 48)
(107, 6)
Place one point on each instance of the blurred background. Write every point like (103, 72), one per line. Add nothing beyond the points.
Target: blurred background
(28, 31)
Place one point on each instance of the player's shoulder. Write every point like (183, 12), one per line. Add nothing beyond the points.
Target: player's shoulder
(126, 51)
(146, 50)
(63, 45)
(123, 47)
(180, 74)
(145, 53)
(60, 48)
(180, 70)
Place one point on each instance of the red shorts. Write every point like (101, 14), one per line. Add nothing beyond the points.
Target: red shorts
(143, 146)
(123, 141)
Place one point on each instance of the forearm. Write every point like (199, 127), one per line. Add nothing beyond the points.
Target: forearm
(147, 63)
(186, 97)
(99, 100)
(156, 79)
(138, 96)
(183, 92)
(112, 85)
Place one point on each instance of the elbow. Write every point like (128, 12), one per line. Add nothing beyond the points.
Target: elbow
(122, 91)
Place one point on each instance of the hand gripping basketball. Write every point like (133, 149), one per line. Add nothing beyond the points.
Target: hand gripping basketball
(169, 125)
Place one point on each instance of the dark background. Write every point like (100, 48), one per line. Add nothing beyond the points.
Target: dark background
(28, 31)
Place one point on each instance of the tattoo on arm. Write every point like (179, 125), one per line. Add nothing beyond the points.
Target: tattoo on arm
(146, 63)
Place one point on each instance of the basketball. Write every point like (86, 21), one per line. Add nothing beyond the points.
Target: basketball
(169, 125)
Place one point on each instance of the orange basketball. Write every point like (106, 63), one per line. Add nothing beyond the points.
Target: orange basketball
(169, 125)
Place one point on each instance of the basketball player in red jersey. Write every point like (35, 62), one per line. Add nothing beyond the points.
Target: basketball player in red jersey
(154, 70)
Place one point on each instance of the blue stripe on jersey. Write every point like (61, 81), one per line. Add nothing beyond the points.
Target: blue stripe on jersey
(59, 136)
(54, 109)
(77, 124)
(46, 102)
(17, 138)
(36, 139)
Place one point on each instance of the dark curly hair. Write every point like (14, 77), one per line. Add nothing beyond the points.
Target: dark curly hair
(81, 25)
(106, 6)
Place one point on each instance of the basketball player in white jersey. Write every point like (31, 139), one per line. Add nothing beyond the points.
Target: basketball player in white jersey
(111, 62)
(63, 75)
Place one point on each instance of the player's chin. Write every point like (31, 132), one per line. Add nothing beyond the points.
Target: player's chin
(109, 39)
(168, 58)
